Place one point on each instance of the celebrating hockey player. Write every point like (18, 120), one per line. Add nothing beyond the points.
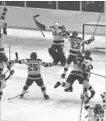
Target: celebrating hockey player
(3, 60)
(34, 74)
(75, 45)
(59, 33)
(88, 68)
(80, 72)
(96, 113)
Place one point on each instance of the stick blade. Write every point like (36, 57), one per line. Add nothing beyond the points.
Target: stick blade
(16, 54)
(36, 16)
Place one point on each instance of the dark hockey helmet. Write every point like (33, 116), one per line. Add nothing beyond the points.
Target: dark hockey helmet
(87, 53)
(33, 56)
(3, 56)
(1, 50)
(97, 108)
(75, 33)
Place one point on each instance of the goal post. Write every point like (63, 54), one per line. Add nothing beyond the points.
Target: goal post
(88, 29)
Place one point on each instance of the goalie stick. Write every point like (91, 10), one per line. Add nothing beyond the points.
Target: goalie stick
(34, 17)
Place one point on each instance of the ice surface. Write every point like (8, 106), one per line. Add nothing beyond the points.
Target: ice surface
(62, 106)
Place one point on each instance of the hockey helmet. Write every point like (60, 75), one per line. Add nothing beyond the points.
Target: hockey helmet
(97, 108)
(87, 53)
(33, 56)
(1, 50)
(56, 24)
(75, 33)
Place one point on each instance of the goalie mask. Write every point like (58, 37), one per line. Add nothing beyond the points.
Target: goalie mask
(56, 24)
(33, 56)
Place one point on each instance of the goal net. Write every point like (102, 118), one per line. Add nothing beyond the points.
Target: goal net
(88, 30)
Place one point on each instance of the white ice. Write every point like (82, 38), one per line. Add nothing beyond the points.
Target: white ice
(61, 106)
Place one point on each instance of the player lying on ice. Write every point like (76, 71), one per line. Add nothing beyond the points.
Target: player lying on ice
(3, 78)
(34, 73)
(75, 45)
(96, 113)
(80, 72)
(56, 50)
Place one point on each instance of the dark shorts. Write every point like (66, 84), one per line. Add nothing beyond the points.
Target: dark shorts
(73, 77)
(71, 58)
(86, 76)
(37, 79)
(39, 82)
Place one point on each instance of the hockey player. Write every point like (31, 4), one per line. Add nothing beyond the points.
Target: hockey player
(96, 113)
(3, 80)
(59, 33)
(78, 73)
(75, 45)
(34, 74)
(3, 60)
(88, 68)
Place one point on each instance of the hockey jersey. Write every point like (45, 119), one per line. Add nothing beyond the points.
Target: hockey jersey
(34, 67)
(100, 116)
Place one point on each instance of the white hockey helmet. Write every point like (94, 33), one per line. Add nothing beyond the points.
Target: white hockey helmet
(56, 24)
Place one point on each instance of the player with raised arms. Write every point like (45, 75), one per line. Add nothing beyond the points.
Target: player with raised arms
(75, 45)
(34, 73)
(59, 33)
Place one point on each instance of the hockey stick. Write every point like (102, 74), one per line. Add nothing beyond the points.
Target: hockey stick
(97, 22)
(34, 17)
(85, 117)
(16, 54)
(98, 75)
(81, 110)
(10, 98)
(94, 30)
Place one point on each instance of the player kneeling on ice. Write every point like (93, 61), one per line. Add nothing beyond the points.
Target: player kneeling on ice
(75, 45)
(3, 60)
(34, 74)
(59, 33)
(80, 72)
(96, 113)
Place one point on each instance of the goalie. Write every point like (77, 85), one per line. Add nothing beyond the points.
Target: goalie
(59, 33)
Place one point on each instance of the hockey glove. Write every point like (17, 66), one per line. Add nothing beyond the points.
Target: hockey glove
(11, 72)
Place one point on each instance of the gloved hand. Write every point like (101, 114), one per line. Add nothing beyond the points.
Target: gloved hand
(83, 97)
(92, 38)
(63, 75)
(11, 72)
(50, 64)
